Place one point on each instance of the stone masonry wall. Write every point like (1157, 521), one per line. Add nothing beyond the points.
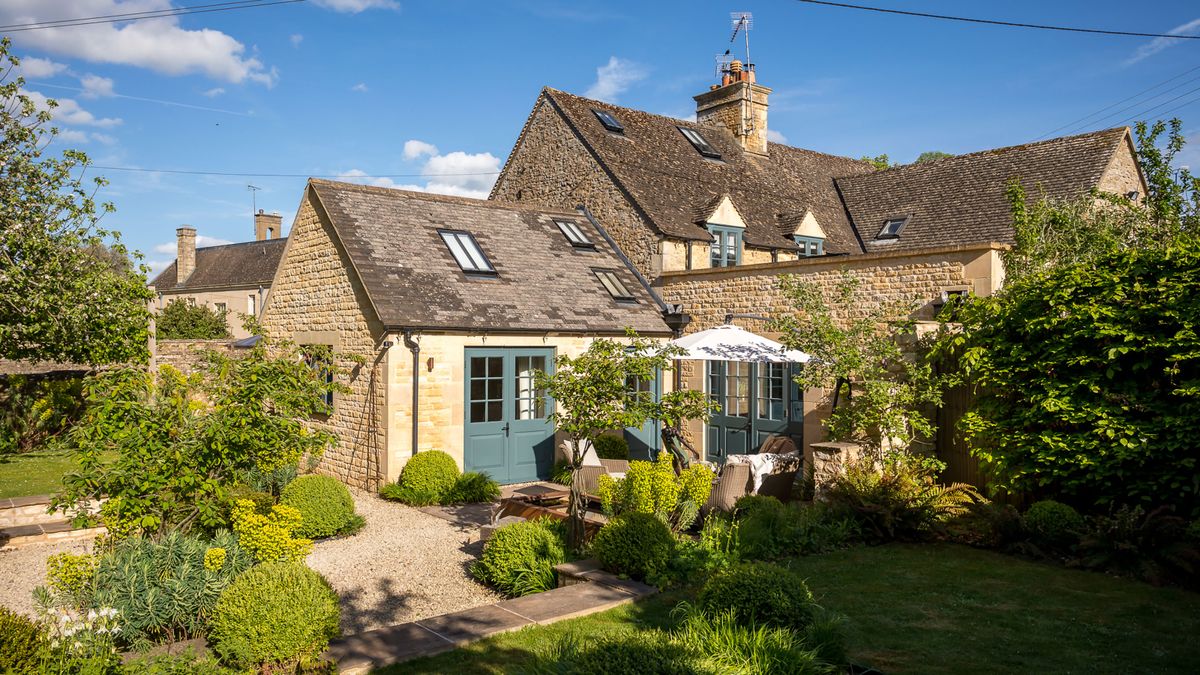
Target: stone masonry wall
(184, 355)
(550, 167)
(1122, 175)
(316, 300)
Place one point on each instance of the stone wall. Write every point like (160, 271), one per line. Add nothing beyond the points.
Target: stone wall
(550, 167)
(1122, 175)
(317, 300)
(185, 355)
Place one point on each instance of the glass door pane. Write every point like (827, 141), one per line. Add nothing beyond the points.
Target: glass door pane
(770, 391)
(737, 389)
(486, 389)
(530, 400)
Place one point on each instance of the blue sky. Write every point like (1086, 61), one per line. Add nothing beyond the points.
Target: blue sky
(411, 89)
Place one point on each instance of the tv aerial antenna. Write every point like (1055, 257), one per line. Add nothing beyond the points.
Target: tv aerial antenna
(741, 22)
(253, 198)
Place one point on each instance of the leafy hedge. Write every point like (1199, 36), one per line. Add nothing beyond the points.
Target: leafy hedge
(1089, 380)
(635, 544)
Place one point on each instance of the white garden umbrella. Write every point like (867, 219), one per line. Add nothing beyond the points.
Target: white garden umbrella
(733, 343)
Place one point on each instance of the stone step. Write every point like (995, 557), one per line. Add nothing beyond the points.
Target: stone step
(33, 510)
(39, 533)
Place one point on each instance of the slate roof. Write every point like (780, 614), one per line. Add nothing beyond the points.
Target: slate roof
(669, 181)
(961, 199)
(245, 265)
(543, 283)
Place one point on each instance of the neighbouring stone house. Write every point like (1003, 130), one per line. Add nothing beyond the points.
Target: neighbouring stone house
(234, 278)
(714, 214)
(448, 304)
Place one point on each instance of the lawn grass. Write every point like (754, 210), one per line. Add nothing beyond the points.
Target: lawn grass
(34, 473)
(933, 608)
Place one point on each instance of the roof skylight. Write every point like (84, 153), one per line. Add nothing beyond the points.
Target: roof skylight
(615, 287)
(609, 121)
(574, 234)
(699, 143)
(466, 252)
(891, 227)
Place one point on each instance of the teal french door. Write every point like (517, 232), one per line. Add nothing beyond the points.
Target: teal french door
(506, 427)
(644, 442)
(756, 402)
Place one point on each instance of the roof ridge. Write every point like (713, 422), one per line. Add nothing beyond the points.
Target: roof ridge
(435, 197)
(243, 243)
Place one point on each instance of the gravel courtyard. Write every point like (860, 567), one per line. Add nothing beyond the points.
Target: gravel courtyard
(23, 569)
(405, 565)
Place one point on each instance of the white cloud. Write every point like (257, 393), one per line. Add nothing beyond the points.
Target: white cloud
(78, 136)
(95, 86)
(296, 39)
(414, 149)
(356, 6)
(214, 92)
(160, 44)
(613, 78)
(1158, 44)
(776, 137)
(458, 173)
(361, 87)
(171, 247)
(34, 67)
(69, 111)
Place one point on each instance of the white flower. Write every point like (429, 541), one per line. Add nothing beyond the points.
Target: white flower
(91, 615)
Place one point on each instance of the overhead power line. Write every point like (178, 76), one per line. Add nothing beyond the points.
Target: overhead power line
(1085, 118)
(994, 22)
(246, 174)
(148, 14)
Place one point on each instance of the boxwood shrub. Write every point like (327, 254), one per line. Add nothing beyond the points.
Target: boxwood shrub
(638, 545)
(519, 558)
(762, 593)
(277, 615)
(21, 642)
(427, 478)
(1053, 525)
(324, 504)
(611, 447)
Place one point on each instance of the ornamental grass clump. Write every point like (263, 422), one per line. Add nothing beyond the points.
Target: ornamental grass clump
(275, 617)
(519, 559)
(325, 505)
(638, 545)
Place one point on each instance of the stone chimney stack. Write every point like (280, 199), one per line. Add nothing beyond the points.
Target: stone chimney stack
(738, 104)
(267, 225)
(185, 256)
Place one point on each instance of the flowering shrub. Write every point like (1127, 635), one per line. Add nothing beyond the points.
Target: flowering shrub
(269, 538)
(653, 487)
(82, 642)
(70, 577)
(214, 559)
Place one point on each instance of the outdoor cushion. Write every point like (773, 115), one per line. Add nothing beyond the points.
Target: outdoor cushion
(590, 458)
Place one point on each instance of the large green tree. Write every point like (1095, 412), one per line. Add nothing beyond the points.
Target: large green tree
(66, 293)
(181, 320)
(592, 395)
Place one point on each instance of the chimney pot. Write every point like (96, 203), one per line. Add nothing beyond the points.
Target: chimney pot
(185, 253)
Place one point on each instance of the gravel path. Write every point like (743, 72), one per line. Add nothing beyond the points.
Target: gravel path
(23, 569)
(405, 565)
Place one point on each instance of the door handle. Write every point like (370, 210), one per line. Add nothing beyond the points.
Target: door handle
(506, 429)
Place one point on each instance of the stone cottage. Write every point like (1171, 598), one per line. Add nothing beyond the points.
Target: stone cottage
(231, 278)
(450, 304)
(714, 214)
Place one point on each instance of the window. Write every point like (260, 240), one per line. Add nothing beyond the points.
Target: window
(574, 234)
(699, 143)
(611, 123)
(771, 380)
(810, 246)
(487, 389)
(252, 305)
(891, 228)
(220, 307)
(466, 252)
(726, 247)
(531, 399)
(614, 286)
(320, 359)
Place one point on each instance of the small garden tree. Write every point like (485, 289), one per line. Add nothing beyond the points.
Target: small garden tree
(881, 393)
(592, 395)
(180, 440)
(181, 320)
(67, 289)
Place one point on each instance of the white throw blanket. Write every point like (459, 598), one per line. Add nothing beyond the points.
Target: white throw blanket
(762, 465)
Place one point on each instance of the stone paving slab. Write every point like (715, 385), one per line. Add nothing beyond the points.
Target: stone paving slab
(474, 624)
(567, 602)
(376, 648)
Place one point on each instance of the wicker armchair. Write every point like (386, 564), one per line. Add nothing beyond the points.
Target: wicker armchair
(737, 480)
(588, 476)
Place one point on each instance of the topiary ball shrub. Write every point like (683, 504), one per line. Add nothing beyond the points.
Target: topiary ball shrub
(517, 556)
(276, 614)
(638, 545)
(747, 506)
(323, 502)
(1053, 524)
(473, 488)
(427, 478)
(611, 447)
(762, 593)
(21, 642)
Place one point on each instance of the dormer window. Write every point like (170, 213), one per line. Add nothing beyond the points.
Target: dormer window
(892, 227)
(574, 234)
(726, 247)
(810, 247)
(609, 121)
(615, 287)
(702, 146)
(466, 252)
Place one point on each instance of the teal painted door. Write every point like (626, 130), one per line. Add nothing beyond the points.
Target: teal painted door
(507, 433)
(644, 442)
(755, 402)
